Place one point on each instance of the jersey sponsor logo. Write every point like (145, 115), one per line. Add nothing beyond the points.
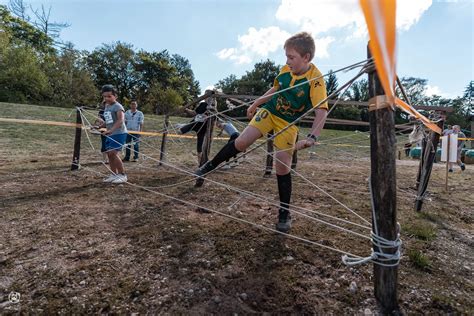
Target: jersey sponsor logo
(284, 107)
(317, 84)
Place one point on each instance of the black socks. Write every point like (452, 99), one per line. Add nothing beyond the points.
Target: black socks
(225, 153)
(284, 191)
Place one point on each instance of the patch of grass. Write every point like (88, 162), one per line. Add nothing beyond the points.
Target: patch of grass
(443, 302)
(419, 260)
(423, 231)
(429, 216)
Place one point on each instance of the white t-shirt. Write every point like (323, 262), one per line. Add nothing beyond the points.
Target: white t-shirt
(134, 120)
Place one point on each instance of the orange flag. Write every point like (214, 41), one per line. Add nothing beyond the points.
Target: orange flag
(380, 16)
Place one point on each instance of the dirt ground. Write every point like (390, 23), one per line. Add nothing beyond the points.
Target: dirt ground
(71, 244)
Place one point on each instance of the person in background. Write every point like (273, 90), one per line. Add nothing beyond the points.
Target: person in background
(198, 124)
(457, 130)
(134, 122)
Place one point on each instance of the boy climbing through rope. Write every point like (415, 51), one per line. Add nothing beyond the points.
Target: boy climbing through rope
(229, 129)
(114, 121)
(198, 124)
(280, 108)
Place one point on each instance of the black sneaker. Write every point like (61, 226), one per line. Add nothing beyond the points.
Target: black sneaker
(450, 170)
(463, 167)
(284, 223)
(202, 171)
(125, 159)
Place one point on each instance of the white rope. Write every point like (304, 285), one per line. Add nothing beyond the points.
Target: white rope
(266, 200)
(232, 217)
(378, 256)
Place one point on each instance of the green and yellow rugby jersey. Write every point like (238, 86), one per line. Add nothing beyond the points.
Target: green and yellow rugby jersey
(291, 104)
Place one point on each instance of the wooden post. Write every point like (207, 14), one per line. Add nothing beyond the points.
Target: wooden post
(426, 164)
(269, 162)
(384, 192)
(422, 161)
(164, 139)
(77, 141)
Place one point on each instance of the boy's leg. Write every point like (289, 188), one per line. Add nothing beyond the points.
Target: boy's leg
(201, 133)
(247, 138)
(113, 164)
(136, 146)
(128, 140)
(285, 143)
(118, 162)
(283, 168)
(460, 163)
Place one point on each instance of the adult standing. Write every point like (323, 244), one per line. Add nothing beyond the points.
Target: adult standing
(134, 121)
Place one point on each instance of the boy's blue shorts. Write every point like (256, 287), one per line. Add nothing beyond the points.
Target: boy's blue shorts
(115, 142)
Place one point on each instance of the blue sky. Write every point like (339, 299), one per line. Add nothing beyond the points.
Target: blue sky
(435, 38)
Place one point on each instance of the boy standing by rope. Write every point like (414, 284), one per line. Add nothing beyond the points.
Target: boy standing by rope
(280, 109)
(116, 133)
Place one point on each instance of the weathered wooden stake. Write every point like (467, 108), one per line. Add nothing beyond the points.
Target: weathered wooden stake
(426, 165)
(77, 141)
(164, 139)
(422, 161)
(269, 162)
(384, 192)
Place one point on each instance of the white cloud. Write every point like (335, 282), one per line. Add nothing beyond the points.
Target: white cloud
(409, 12)
(322, 46)
(326, 15)
(255, 44)
(319, 17)
(435, 90)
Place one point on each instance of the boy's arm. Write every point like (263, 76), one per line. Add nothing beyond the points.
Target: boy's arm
(318, 124)
(317, 95)
(117, 124)
(263, 99)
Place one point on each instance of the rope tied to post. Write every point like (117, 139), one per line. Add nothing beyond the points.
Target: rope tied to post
(379, 257)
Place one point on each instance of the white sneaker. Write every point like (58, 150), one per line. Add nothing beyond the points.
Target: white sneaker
(110, 178)
(234, 164)
(121, 178)
(226, 166)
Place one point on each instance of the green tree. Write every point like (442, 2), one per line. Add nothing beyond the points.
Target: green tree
(163, 100)
(115, 64)
(21, 33)
(259, 79)
(21, 76)
(415, 89)
(358, 91)
(70, 81)
(332, 84)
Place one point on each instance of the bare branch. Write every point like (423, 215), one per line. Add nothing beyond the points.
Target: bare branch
(19, 8)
